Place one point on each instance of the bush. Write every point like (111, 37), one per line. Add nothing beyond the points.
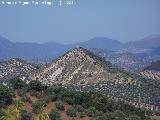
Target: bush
(60, 105)
(35, 85)
(37, 106)
(2, 113)
(82, 114)
(5, 96)
(91, 111)
(25, 115)
(33, 93)
(17, 83)
(79, 108)
(99, 113)
(71, 112)
(22, 92)
(133, 117)
(54, 115)
(118, 115)
(69, 100)
(52, 97)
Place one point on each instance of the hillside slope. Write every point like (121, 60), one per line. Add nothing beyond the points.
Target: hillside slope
(152, 71)
(15, 67)
(78, 66)
(81, 70)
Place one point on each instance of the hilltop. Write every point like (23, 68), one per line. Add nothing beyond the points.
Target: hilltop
(78, 66)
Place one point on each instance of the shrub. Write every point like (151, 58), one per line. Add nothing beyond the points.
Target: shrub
(82, 114)
(73, 118)
(54, 115)
(37, 106)
(52, 97)
(91, 111)
(2, 113)
(71, 112)
(35, 93)
(35, 85)
(99, 113)
(118, 115)
(5, 96)
(79, 108)
(25, 115)
(21, 92)
(17, 83)
(69, 100)
(133, 117)
(60, 105)
(23, 99)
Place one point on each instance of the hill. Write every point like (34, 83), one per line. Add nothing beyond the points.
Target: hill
(78, 66)
(15, 67)
(81, 70)
(102, 42)
(147, 43)
(152, 71)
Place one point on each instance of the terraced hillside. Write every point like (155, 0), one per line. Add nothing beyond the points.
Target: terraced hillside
(152, 74)
(81, 70)
(152, 71)
(78, 66)
(15, 67)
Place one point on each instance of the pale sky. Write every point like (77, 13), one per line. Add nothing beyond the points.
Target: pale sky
(122, 20)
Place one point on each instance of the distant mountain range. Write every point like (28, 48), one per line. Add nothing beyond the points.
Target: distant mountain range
(9, 49)
(141, 52)
(30, 51)
(146, 43)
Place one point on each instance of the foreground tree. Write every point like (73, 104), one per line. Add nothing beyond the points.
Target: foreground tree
(5, 96)
(42, 115)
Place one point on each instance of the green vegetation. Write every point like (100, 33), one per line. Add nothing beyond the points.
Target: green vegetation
(54, 115)
(71, 112)
(25, 115)
(92, 104)
(6, 95)
(17, 83)
(35, 85)
(60, 105)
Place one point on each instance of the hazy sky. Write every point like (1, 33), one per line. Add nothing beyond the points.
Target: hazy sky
(122, 20)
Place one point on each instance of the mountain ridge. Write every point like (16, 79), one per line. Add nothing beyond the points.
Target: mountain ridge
(74, 63)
